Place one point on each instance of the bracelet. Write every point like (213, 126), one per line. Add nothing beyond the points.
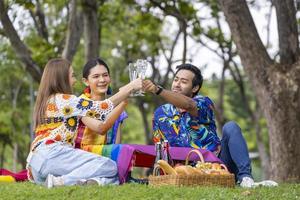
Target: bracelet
(160, 89)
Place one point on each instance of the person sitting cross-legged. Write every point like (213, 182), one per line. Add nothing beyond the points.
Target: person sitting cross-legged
(188, 120)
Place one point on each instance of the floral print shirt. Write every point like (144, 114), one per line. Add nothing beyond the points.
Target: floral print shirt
(183, 130)
(86, 136)
(62, 116)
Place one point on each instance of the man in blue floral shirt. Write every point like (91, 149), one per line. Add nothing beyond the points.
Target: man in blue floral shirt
(187, 120)
(184, 130)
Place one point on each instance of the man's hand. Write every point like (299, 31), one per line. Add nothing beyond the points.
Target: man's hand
(179, 100)
(149, 86)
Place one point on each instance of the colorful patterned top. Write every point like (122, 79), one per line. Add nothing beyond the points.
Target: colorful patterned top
(62, 115)
(183, 130)
(86, 136)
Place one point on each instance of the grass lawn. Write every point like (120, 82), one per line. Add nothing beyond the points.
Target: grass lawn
(31, 191)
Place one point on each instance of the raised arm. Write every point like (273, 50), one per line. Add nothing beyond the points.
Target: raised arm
(125, 91)
(118, 136)
(100, 126)
(178, 100)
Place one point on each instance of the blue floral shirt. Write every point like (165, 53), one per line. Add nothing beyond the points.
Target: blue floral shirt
(183, 130)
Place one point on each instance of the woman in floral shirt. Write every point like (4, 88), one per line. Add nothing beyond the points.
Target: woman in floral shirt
(53, 160)
(96, 77)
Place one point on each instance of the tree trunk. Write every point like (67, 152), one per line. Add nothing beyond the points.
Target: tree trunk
(2, 154)
(38, 18)
(91, 29)
(276, 88)
(281, 108)
(15, 157)
(74, 32)
(255, 117)
(147, 132)
(219, 106)
(263, 153)
(287, 30)
(15, 93)
(19, 47)
(184, 27)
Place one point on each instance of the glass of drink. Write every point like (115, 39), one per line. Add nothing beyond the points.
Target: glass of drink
(138, 70)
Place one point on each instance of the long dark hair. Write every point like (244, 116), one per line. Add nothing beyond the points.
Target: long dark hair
(55, 79)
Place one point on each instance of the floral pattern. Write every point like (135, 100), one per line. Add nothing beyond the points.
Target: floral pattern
(66, 96)
(87, 137)
(182, 129)
(51, 107)
(67, 111)
(71, 123)
(92, 114)
(62, 116)
(104, 105)
(85, 104)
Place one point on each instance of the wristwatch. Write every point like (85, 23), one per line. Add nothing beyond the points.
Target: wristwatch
(160, 89)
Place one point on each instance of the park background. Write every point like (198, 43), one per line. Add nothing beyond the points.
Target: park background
(166, 33)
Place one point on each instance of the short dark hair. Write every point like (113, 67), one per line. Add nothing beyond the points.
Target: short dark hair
(197, 80)
(91, 64)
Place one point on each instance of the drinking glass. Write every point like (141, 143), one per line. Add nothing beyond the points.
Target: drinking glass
(132, 71)
(138, 70)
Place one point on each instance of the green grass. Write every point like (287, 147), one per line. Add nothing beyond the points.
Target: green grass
(31, 191)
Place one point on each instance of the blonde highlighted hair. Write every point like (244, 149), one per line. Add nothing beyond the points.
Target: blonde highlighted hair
(55, 79)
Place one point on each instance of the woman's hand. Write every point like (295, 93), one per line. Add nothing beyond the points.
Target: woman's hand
(133, 86)
(136, 84)
(126, 90)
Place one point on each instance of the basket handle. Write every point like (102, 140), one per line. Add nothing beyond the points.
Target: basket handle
(156, 169)
(194, 151)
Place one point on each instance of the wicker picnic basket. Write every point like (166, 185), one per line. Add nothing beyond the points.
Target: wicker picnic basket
(225, 180)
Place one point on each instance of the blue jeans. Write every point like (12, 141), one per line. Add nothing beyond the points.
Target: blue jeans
(234, 151)
(72, 165)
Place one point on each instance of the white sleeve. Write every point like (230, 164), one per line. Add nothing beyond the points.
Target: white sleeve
(71, 105)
